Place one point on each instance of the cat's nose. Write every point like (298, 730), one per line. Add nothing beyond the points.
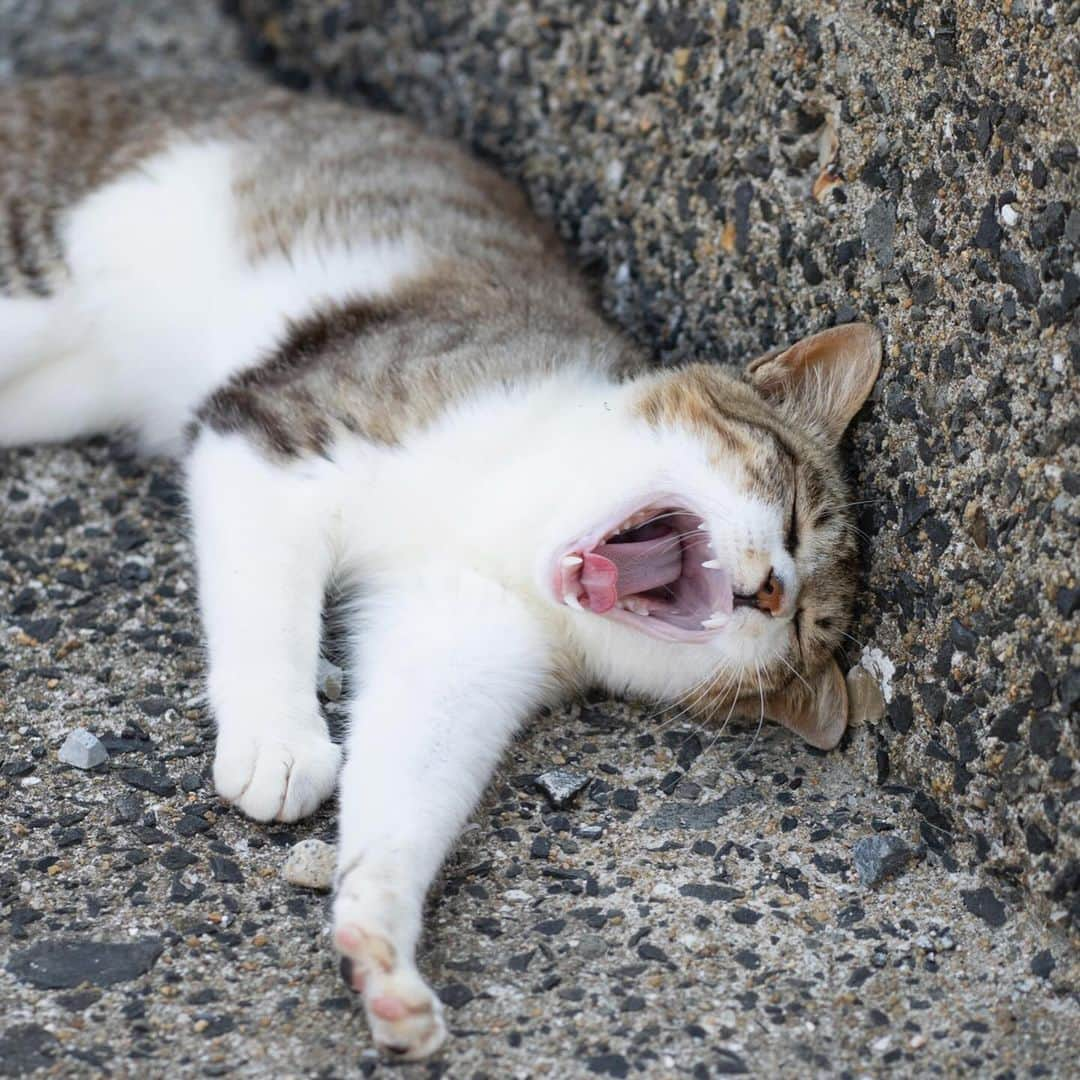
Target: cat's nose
(770, 596)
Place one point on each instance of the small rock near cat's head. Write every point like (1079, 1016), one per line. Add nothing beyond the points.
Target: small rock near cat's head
(726, 583)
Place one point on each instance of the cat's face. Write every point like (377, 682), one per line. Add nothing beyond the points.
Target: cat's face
(726, 579)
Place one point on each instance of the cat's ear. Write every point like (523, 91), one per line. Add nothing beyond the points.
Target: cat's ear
(821, 381)
(818, 711)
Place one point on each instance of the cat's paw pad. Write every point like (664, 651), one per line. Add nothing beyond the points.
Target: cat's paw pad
(405, 1016)
(282, 778)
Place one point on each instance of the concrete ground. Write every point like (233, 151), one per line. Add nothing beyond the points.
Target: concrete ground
(695, 911)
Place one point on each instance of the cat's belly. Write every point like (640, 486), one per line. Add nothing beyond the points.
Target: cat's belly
(164, 302)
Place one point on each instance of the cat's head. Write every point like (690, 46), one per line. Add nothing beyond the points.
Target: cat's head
(725, 578)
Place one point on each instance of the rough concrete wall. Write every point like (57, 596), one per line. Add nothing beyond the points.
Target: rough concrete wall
(701, 909)
(155, 39)
(740, 174)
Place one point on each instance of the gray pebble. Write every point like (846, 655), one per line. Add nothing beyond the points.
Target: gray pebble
(59, 964)
(83, 750)
(592, 946)
(879, 857)
(310, 864)
(879, 228)
(561, 785)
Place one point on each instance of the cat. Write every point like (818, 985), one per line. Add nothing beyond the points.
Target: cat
(377, 366)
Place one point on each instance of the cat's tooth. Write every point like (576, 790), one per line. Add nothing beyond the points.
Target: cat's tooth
(572, 601)
(712, 564)
(570, 561)
(638, 607)
(715, 623)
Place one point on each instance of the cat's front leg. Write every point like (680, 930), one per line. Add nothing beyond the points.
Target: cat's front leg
(263, 552)
(450, 664)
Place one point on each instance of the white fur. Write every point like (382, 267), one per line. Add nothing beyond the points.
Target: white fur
(263, 555)
(163, 304)
(453, 535)
(454, 636)
(450, 664)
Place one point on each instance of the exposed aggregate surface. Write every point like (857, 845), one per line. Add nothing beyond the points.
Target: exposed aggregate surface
(697, 907)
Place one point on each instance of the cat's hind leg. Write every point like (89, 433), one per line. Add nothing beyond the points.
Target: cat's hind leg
(450, 664)
(57, 400)
(264, 555)
(53, 386)
(24, 328)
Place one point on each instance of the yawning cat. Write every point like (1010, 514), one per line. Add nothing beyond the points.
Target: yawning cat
(378, 367)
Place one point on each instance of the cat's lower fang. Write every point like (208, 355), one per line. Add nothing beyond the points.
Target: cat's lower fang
(712, 564)
(715, 623)
(572, 601)
(570, 562)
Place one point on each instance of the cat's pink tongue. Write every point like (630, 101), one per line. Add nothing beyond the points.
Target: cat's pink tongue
(615, 570)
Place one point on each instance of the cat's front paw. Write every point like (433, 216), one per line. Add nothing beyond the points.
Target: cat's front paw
(403, 1013)
(277, 777)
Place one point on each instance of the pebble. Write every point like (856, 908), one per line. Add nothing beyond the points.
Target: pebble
(82, 749)
(329, 679)
(984, 904)
(310, 864)
(879, 857)
(592, 946)
(67, 963)
(561, 785)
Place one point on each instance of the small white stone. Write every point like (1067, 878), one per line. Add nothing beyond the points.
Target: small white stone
(1009, 217)
(329, 679)
(310, 864)
(83, 750)
(881, 667)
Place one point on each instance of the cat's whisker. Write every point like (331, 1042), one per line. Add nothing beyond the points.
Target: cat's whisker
(689, 698)
(705, 688)
(723, 726)
(796, 674)
(852, 637)
(761, 715)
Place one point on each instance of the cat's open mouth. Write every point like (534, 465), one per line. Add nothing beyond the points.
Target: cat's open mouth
(654, 570)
